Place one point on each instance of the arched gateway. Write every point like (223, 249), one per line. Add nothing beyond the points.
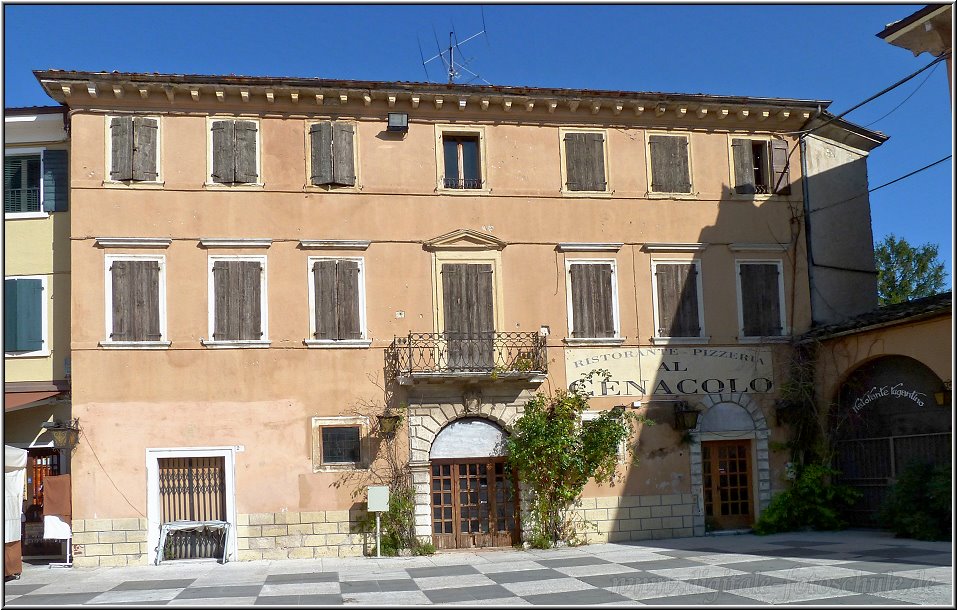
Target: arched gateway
(474, 502)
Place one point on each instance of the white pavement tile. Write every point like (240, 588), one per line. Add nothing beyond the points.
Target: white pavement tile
(135, 597)
(815, 573)
(303, 588)
(461, 580)
(498, 601)
(791, 592)
(692, 572)
(551, 585)
(726, 558)
(665, 588)
(941, 574)
(595, 570)
(511, 566)
(386, 598)
(373, 575)
(634, 556)
(936, 595)
(214, 601)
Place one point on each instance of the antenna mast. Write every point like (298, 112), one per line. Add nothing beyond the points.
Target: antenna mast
(448, 56)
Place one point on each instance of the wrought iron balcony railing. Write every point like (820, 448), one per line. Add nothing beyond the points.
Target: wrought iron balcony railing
(492, 355)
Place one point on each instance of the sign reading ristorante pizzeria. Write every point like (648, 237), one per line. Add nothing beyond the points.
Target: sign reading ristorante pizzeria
(651, 371)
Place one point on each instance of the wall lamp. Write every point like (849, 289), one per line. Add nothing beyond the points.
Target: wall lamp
(398, 121)
(944, 396)
(65, 435)
(389, 423)
(686, 416)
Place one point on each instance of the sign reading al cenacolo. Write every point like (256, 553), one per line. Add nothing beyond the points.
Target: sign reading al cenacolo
(651, 371)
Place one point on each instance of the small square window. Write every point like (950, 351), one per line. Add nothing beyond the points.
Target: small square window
(340, 444)
(463, 168)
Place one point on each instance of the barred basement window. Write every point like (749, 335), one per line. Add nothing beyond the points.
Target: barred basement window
(339, 442)
(340, 445)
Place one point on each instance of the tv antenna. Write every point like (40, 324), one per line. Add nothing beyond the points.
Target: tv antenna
(452, 57)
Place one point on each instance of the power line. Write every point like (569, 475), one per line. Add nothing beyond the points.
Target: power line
(894, 109)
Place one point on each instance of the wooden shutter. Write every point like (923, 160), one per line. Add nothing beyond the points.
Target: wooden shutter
(677, 300)
(347, 300)
(245, 151)
(122, 286)
(56, 181)
(669, 164)
(224, 165)
(780, 174)
(760, 300)
(324, 276)
(144, 148)
(595, 161)
(121, 147)
(478, 298)
(592, 301)
(743, 161)
(23, 315)
(321, 153)
(453, 297)
(250, 301)
(143, 300)
(576, 162)
(221, 306)
(343, 162)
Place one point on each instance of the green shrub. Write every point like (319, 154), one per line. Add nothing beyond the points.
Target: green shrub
(918, 505)
(812, 502)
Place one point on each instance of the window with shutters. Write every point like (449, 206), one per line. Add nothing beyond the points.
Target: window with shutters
(760, 299)
(133, 149)
(237, 293)
(679, 314)
(460, 159)
(759, 166)
(592, 300)
(339, 443)
(25, 316)
(135, 301)
(332, 154)
(337, 302)
(35, 182)
(584, 161)
(669, 163)
(234, 152)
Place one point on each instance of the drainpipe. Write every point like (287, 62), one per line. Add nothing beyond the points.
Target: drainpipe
(807, 224)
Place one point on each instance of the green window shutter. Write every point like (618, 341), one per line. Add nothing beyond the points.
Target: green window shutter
(121, 147)
(245, 151)
(760, 300)
(322, 164)
(347, 300)
(23, 315)
(324, 276)
(56, 181)
(743, 162)
(144, 148)
(780, 174)
(224, 166)
(343, 161)
(669, 164)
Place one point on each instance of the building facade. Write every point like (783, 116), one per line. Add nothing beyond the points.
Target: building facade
(261, 266)
(36, 303)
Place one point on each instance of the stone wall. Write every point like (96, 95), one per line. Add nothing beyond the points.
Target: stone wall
(646, 517)
(110, 542)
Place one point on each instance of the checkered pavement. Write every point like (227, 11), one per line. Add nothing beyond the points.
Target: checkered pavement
(820, 568)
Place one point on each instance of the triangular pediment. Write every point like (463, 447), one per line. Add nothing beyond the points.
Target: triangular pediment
(464, 239)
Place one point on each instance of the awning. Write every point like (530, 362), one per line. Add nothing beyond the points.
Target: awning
(14, 401)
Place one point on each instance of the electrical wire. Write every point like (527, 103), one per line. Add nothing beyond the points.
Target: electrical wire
(892, 110)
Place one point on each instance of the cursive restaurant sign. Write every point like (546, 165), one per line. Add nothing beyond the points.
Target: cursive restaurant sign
(652, 371)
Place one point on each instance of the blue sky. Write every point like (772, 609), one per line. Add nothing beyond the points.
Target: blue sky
(805, 51)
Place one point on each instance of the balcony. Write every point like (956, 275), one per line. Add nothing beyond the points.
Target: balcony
(492, 356)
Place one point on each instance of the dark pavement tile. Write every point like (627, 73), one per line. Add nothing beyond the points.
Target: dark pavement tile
(224, 591)
(299, 600)
(525, 576)
(701, 599)
(874, 583)
(302, 578)
(21, 589)
(464, 594)
(441, 571)
(805, 552)
(63, 599)
(378, 586)
(627, 579)
(664, 564)
(690, 552)
(588, 560)
(572, 598)
(147, 585)
(804, 542)
(737, 581)
(875, 566)
(896, 552)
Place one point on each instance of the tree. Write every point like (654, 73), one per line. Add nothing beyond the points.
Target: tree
(905, 272)
(556, 453)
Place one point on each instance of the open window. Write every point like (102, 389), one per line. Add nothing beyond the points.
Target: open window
(760, 166)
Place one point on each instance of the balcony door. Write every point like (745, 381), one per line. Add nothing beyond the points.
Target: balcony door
(469, 316)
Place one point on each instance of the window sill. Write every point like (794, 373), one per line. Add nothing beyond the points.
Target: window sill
(134, 184)
(219, 186)
(680, 340)
(235, 344)
(566, 193)
(687, 196)
(134, 344)
(768, 339)
(37, 354)
(350, 466)
(341, 344)
(332, 188)
(595, 341)
(441, 190)
(24, 215)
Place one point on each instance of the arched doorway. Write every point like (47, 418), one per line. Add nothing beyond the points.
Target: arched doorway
(474, 502)
(887, 417)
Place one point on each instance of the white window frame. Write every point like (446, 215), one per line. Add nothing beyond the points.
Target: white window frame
(211, 304)
(452, 129)
(692, 194)
(44, 351)
(571, 339)
(564, 166)
(656, 339)
(27, 152)
(210, 183)
(785, 331)
(107, 342)
(153, 508)
(355, 157)
(109, 181)
(364, 340)
(341, 421)
(622, 446)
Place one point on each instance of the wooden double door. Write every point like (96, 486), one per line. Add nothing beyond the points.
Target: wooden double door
(728, 492)
(474, 504)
